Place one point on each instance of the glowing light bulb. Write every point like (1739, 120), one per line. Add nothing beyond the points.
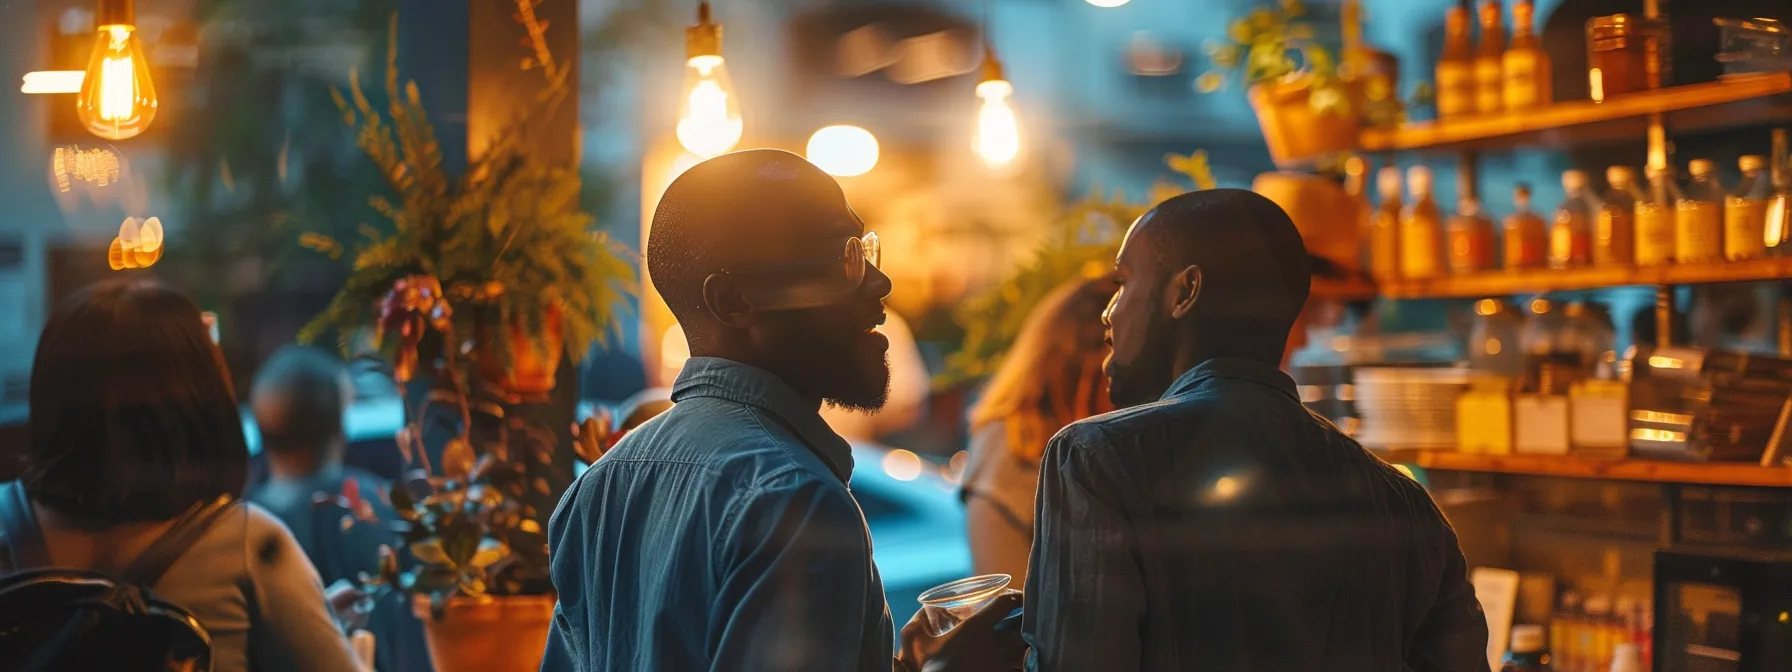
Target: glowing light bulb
(117, 99)
(843, 151)
(1108, 3)
(998, 135)
(709, 120)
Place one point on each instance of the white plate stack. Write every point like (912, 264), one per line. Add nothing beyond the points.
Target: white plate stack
(1408, 408)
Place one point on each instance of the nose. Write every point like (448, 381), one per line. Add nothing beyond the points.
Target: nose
(876, 283)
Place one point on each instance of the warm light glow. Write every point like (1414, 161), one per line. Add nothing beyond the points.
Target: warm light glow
(1661, 362)
(117, 99)
(1662, 435)
(709, 116)
(98, 167)
(998, 135)
(902, 465)
(1108, 3)
(843, 151)
(149, 235)
(53, 81)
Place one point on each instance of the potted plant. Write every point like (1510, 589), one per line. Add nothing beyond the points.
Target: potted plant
(1302, 105)
(480, 284)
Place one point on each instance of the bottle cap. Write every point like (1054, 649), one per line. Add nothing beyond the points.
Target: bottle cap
(1418, 178)
(1388, 182)
(1617, 174)
(1527, 638)
(1701, 167)
(1574, 180)
(1751, 162)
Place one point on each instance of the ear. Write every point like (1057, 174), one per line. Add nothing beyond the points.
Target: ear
(722, 298)
(1185, 286)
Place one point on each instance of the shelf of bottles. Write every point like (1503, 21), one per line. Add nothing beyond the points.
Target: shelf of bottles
(1741, 101)
(1541, 281)
(1652, 471)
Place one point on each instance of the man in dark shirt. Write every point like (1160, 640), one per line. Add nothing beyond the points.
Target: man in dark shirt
(723, 534)
(1216, 524)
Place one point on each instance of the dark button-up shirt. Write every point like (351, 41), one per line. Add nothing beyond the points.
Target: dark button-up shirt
(718, 536)
(1224, 527)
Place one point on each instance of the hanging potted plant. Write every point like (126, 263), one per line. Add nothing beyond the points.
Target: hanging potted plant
(1292, 81)
(478, 287)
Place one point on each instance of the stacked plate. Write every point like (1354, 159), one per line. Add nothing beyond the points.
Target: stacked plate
(1408, 408)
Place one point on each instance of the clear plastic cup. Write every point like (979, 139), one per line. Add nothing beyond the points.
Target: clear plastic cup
(948, 604)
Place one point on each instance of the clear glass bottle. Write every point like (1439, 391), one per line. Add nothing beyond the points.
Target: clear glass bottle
(1699, 216)
(1526, 65)
(1527, 237)
(1571, 227)
(1490, 80)
(1614, 231)
(1745, 211)
(1456, 66)
(1655, 218)
(1384, 227)
(1495, 341)
(1421, 229)
(1778, 227)
(1470, 237)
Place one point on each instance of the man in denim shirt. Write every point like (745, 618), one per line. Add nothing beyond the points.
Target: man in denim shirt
(722, 535)
(1216, 524)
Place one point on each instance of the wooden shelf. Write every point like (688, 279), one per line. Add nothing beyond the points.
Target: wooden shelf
(1353, 289)
(1708, 473)
(1507, 283)
(1731, 102)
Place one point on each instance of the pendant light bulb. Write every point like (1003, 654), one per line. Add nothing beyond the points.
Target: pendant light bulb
(117, 98)
(997, 139)
(708, 113)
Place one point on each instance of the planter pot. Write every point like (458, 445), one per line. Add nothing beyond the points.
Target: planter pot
(488, 634)
(530, 374)
(1329, 220)
(1294, 131)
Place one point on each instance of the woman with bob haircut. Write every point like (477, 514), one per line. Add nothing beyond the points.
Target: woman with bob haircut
(133, 423)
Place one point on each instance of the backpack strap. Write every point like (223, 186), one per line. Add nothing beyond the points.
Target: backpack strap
(150, 565)
(18, 526)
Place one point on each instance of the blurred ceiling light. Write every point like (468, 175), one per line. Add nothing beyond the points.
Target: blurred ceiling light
(902, 465)
(1108, 3)
(997, 139)
(1148, 57)
(98, 166)
(709, 121)
(843, 151)
(53, 81)
(118, 96)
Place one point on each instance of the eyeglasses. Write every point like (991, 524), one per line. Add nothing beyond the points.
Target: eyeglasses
(808, 283)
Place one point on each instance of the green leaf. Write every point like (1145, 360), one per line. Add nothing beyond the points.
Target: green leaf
(490, 552)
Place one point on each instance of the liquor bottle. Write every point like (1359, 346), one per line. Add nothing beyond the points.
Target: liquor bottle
(1570, 231)
(1527, 237)
(1699, 216)
(1470, 238)
(1615, 228)
(1778, 226)
(1655, 218)
(1456, 66)
(1421, 227)
(1745, 211)
(1490, 81)
(1525, 66)
(1384, 227)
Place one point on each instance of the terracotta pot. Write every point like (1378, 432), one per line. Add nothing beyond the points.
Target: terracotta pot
(1294, 131)
(530, 375)
(1329, 220)
(488, 634)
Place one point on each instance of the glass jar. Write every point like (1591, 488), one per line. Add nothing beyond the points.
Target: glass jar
(1619, 56)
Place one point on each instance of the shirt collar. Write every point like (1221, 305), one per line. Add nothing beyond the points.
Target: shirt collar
(1238, 369)
(741, 383)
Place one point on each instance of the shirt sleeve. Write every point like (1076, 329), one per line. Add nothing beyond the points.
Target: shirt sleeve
(1085, 595)
(1453, 636)
(290, 627)
(793, 589)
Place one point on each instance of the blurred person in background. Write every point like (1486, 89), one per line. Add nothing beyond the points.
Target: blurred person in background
(133, 423)
(1050, 378)
(339, 514)
(1216, 523)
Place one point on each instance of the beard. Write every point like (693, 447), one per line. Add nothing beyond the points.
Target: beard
(1146, 376)
(824, 360)
(863, 391)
